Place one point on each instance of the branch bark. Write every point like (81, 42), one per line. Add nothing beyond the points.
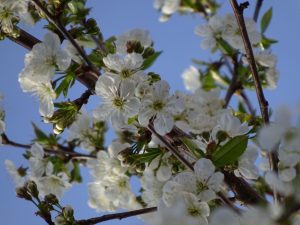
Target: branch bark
(119, 216)
(58, 150)
(263, 103)
(238, 11)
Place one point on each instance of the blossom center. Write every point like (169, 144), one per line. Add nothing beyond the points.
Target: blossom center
(194, 211)
(158, 105)
(118, 102)
(125, 73)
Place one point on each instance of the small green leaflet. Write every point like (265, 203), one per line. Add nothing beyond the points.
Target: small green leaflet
(65, 84)
(150, 60)
(266, 19)
(231, 151)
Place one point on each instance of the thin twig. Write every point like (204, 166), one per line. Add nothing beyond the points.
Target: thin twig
(257, 9)
(238, 11)
(247, 102)
(57, 23)
(235, 83)
(119, 216)
(57, 151)
(171, 148)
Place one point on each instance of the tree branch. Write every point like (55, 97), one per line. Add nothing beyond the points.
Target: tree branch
(238, 11)
(263, 103)
(119, 216)
(58, 150)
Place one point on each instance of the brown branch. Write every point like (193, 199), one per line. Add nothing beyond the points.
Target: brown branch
(257, 9)
(238, 11)
(171, 148)
(119, 216)
(263, 103)
(58, 150)
(243, 191)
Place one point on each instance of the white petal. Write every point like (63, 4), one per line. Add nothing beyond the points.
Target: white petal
(163, 123)
(204, 168)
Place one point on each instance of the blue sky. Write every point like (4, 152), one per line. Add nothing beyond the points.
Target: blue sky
(179, 44)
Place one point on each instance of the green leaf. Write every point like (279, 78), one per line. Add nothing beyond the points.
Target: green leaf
(266, 19)
(192, 147)
(150, 60)
(64, 85)
(267, 42)
(231, 151)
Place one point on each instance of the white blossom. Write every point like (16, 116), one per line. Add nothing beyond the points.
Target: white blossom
(42, 60)
(246, 164)
(124, 67)
(231, 32)
(11, 10)
(162, 106)
(191, 79)
(232, 125)
(51, 183)
(14, 173)
(119, 102)
(135, 35)
(210, 32)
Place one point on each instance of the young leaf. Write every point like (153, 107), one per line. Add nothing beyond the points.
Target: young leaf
(64, 85)
(150, 60)
(266, 19)
(231, 151)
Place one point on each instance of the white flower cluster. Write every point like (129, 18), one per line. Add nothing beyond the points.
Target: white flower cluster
(110, 189)
(12, 11)
(41, 64)
(226, 28)
(42, 172)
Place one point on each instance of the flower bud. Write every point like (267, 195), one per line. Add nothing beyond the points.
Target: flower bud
(51, 199)
(32, 189)
(22, 193)
(68, 212)
(148, 52)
